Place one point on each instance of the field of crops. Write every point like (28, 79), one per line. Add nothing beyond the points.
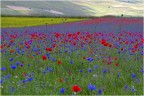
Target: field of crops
(102, 56)
(34, 21)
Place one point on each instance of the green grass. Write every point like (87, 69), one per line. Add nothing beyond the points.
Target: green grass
(51, 79)
(34, 21)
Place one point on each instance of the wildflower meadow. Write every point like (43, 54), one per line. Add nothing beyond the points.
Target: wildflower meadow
(102, 56)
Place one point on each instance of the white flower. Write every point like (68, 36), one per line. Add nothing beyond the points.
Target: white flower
(94, 75)
(16, 76)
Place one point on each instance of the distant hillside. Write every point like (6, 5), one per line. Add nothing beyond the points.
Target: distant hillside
(72, 8)
(42, 8)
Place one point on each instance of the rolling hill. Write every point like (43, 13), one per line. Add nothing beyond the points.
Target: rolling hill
(72, 8)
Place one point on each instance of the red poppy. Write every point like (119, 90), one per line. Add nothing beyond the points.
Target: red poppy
(116, 58)
(44, 57)
(84, 57)
(60, 80)
(106, 44)
(12, 51)
(76, 88)
(48, 49)
(74, 43)
(110, 45)
(59, 62)
(103, 61)
(24, 74)
(69, 73)
(103, 41)
(109, 63)
(90, 52)
(1, 46)
(116, 64)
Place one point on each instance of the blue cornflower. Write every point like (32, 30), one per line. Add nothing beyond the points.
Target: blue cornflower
(11, 59)
(1, 81)
(48, 55)
(81, 71)
(17, 63)
(23, 51)
(62, 90)
(44, 72)
(49, 69)
(21, 65)
(30, 79)
(53, 59)
(71, 62)
(91, 87)
(138, 80)
(133, 75)
(90, 70)
(96, 66)
(21, 43)
(3, 68)
(90, 59)
(133, 89)
(100, 91)
(104, 71)
(13, 89)
(13, 66)
(24, 81)
(126, 87)
(8, 76)
(118, 75)
(28, 65)
(142, 71)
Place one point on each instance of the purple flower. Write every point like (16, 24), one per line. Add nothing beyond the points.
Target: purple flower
(44, 72)
(30, 79)
(24, 81)
(11, 59)
(90, 59)
(81, 71)
(100, 91)
(3, 68)
(133, 89)
(48, 55)
(21, 65)
(13, 89)
(104, 71)
(90, 70)
(126, 87)
(17, 63)
(1, 81)
(91, 87)
(62, 90)
(53, 59)
(28, 65)
(96, 66)
(118, 75)
(71, 62)
(13, 66)
(133, 75)
(138, 80)
(8, 76)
